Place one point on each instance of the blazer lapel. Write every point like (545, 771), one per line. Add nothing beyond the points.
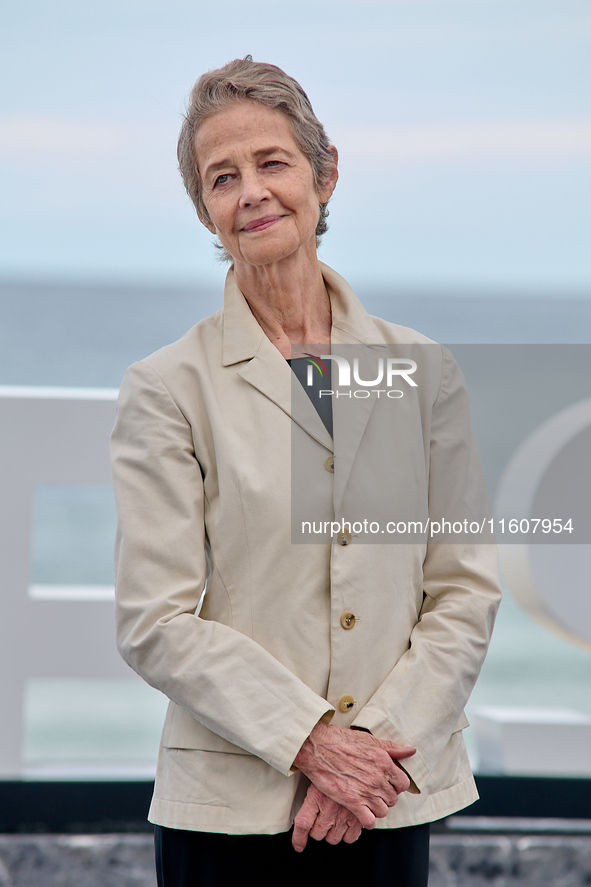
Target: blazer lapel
(351, 326)
(266, 370)
(263, 366)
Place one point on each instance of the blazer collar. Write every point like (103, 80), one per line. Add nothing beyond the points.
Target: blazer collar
(243, 337)
(262, 366)
(268, 372)
(351, 324)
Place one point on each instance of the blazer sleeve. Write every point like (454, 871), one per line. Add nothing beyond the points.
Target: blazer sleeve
(221, 677)
(422, 699)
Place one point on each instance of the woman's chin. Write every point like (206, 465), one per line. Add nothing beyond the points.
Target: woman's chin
(263, 256)
(269, 251)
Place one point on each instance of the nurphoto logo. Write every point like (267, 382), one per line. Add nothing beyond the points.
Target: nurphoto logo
(389, 371)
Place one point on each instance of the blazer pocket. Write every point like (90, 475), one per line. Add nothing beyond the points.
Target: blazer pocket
(183, 731)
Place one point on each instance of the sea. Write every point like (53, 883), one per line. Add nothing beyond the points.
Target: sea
(86, 334)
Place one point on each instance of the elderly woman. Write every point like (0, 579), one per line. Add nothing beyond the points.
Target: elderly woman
(314, 685)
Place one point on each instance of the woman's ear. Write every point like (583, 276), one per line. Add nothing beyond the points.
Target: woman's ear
(205, 220)
(332, 178)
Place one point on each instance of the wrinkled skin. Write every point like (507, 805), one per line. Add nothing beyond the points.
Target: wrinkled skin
(355, 779)
(321, 818)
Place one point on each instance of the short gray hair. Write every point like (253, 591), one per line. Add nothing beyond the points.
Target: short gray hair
(268, 85)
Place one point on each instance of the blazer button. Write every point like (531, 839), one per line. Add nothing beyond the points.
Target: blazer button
(348, 620)
(346, 703)
(329, 464)
(344, 537)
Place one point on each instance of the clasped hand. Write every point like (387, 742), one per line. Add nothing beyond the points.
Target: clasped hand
(355, 779)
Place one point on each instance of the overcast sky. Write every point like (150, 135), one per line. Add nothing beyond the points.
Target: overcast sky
(463, 126)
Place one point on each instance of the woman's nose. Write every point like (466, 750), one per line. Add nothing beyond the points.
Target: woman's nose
(253, 189)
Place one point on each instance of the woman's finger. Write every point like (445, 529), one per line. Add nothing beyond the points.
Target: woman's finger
(400, 781)
(340, 828)
(343, 820)
(397, 752)
(299, 838)
(353, 831)
(379, 808)
(365, 816)
(304, 821)
(323, 823)
(387, 792)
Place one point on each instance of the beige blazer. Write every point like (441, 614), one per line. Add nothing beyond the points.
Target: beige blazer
(202, 472)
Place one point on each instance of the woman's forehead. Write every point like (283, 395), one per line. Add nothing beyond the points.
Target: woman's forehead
(243, 126)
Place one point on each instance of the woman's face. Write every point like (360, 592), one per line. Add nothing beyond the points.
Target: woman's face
(258, 186)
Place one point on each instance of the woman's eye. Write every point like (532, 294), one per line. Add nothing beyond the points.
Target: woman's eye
(222, 180)
(274, 163)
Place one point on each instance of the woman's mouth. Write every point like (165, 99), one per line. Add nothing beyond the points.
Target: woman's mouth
(261, 224)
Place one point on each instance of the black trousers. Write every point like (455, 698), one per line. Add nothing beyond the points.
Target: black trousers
(380, 858)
